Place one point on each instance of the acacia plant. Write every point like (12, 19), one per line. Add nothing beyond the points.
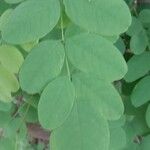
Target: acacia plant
(63, 67)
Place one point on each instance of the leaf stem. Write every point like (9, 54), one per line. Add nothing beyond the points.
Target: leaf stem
(62, 30)
(68, 70)
(63, 40)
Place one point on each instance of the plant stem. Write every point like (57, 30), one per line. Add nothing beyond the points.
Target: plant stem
(63, 40)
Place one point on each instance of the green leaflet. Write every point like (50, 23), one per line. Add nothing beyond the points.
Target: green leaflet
(101, 95)
(13, 1)
(135, 28)
(31, 20)
(93, 54)
(144, 17)
(141, 94)
(8, 84)
(148, 115)
(83, 130)
(139, 42)
(11, 58)
(10, 62)
(41, 65)
(5, 94)
(99, 16)
(138, 66)
(56, 103)
(4, 18)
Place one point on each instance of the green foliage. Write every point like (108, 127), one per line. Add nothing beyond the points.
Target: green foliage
(92, 54)
(117, 133)
(59, 94)
(31, 20)
(134, 71)
(140, 94)
(144, 17)
(40, 68)
(78, 68)
(105, 10)
(139, 42)
(8, 84)
(11, 58)
(94, 91)
(81, 130)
